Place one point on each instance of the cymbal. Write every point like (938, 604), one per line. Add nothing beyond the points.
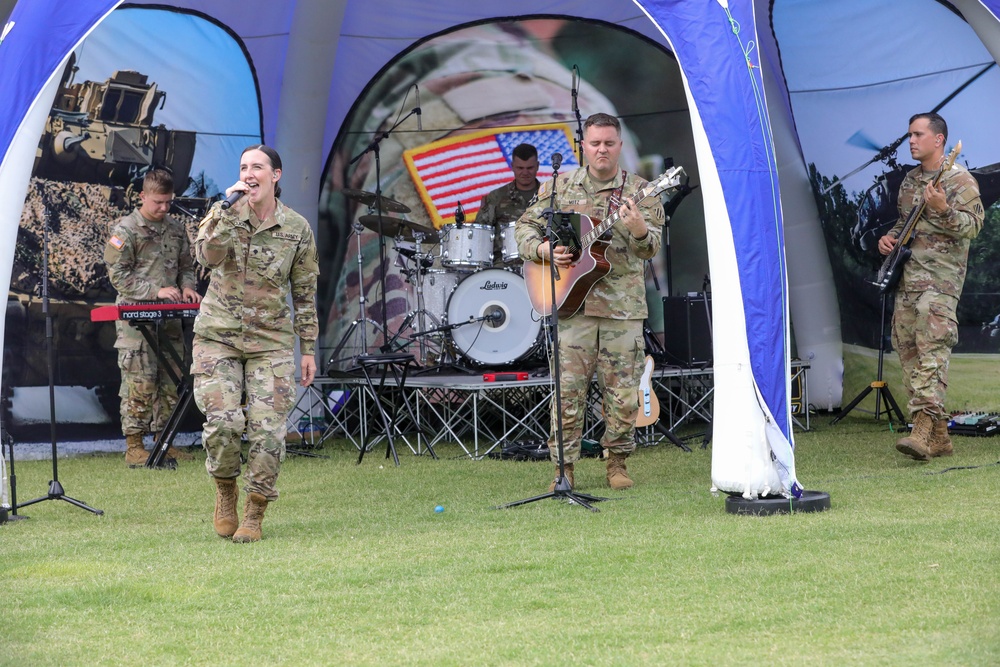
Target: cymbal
(368, 199)
(395, 227)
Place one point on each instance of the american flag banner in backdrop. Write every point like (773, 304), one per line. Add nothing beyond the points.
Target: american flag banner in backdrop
(464, 168)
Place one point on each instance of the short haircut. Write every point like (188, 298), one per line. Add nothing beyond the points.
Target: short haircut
(158, 182)
(934, 121)
(602, 120)
(524, 152)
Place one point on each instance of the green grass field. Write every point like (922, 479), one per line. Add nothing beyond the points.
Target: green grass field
(356, 568)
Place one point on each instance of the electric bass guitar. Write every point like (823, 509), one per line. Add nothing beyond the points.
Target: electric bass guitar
(649, 405)
(892, 267)
(589, 264)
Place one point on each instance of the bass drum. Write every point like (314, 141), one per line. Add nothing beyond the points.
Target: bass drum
(511, 330)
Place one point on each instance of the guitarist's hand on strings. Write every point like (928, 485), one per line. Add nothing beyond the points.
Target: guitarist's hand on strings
(935, 198)
(633, 220)
(886, 243)
(563, 257)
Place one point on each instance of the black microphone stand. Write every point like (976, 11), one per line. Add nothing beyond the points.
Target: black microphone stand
(55, 488)
(576, 111)
(562, 489)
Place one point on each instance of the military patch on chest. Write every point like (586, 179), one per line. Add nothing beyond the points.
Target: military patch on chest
(286, 235)
(116, 242)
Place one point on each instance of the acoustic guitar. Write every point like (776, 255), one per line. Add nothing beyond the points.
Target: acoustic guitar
(589, 264)
(892, 267)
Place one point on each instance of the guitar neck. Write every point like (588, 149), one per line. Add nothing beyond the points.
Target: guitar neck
(602, 227)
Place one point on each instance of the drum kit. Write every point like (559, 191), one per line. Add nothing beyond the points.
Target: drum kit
(471, 311)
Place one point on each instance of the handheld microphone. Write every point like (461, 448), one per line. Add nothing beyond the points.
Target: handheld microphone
(420, 126)
(232, 199)
(556, 161)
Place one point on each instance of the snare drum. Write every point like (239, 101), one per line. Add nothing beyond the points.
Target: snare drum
(467, 246)
(511, 331)
(510, 254)
(438, 287)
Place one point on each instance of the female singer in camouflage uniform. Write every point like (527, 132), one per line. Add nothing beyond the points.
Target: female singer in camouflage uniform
(258, 251)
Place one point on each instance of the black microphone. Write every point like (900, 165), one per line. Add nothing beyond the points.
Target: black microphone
(420, 126)
(459, 214)
(232, 199)
(556, 161)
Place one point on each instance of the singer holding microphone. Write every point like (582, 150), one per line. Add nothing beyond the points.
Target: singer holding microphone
(259, 251)
(606, 333)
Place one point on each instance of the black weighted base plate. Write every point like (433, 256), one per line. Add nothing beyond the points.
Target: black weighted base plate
(811, 501)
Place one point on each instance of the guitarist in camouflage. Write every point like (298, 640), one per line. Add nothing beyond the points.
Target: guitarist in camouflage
(924, 321)
(606, 334)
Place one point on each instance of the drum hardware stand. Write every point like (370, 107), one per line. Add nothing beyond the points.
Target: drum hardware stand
(363, 320)
(562, 489)
(372, 147)
(55, 488)
(879, 386)
(448, 362)
(415, 276)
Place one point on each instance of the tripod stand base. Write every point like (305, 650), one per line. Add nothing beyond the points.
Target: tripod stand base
(6, 517)
(562, 491)
(881, 389)
(56, 493)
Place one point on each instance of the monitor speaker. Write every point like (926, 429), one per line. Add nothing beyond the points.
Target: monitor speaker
(687, 329)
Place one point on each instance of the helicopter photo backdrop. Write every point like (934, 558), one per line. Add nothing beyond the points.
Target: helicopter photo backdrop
(852, 87)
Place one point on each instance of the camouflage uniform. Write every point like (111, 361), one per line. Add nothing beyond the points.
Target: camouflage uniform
(245, 337)
(606, 334)
(142, 257)
(500, 206)
(924, 321)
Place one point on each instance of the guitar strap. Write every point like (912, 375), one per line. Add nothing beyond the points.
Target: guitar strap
(614, 201)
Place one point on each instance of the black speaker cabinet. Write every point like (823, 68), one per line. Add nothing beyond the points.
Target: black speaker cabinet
(687, 330)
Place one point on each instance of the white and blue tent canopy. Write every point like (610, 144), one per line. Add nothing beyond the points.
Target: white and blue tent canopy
(747, 70)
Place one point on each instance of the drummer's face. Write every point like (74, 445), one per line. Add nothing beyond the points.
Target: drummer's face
(257, 172)
(524, 173)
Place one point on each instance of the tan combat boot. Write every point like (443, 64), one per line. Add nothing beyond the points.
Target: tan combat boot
(940, 441)
(227, 494)
(253, 517)
(568, 467)
(916, 444)
(135, 454)
(617, 472)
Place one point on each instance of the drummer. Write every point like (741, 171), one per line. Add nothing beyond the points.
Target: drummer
(507, 203)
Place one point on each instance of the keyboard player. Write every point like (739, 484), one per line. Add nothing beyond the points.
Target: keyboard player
(149, 258)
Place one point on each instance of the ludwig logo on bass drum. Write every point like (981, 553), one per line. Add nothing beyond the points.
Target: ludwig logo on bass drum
(493, 284)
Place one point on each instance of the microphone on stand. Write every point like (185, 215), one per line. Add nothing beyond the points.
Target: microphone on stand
(556, 161)
(459, 215)
(420, 126)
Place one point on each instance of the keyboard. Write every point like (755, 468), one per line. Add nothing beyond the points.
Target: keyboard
(144, 311)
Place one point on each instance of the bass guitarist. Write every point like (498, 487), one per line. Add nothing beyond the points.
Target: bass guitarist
(924, 321)
(605, 334)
